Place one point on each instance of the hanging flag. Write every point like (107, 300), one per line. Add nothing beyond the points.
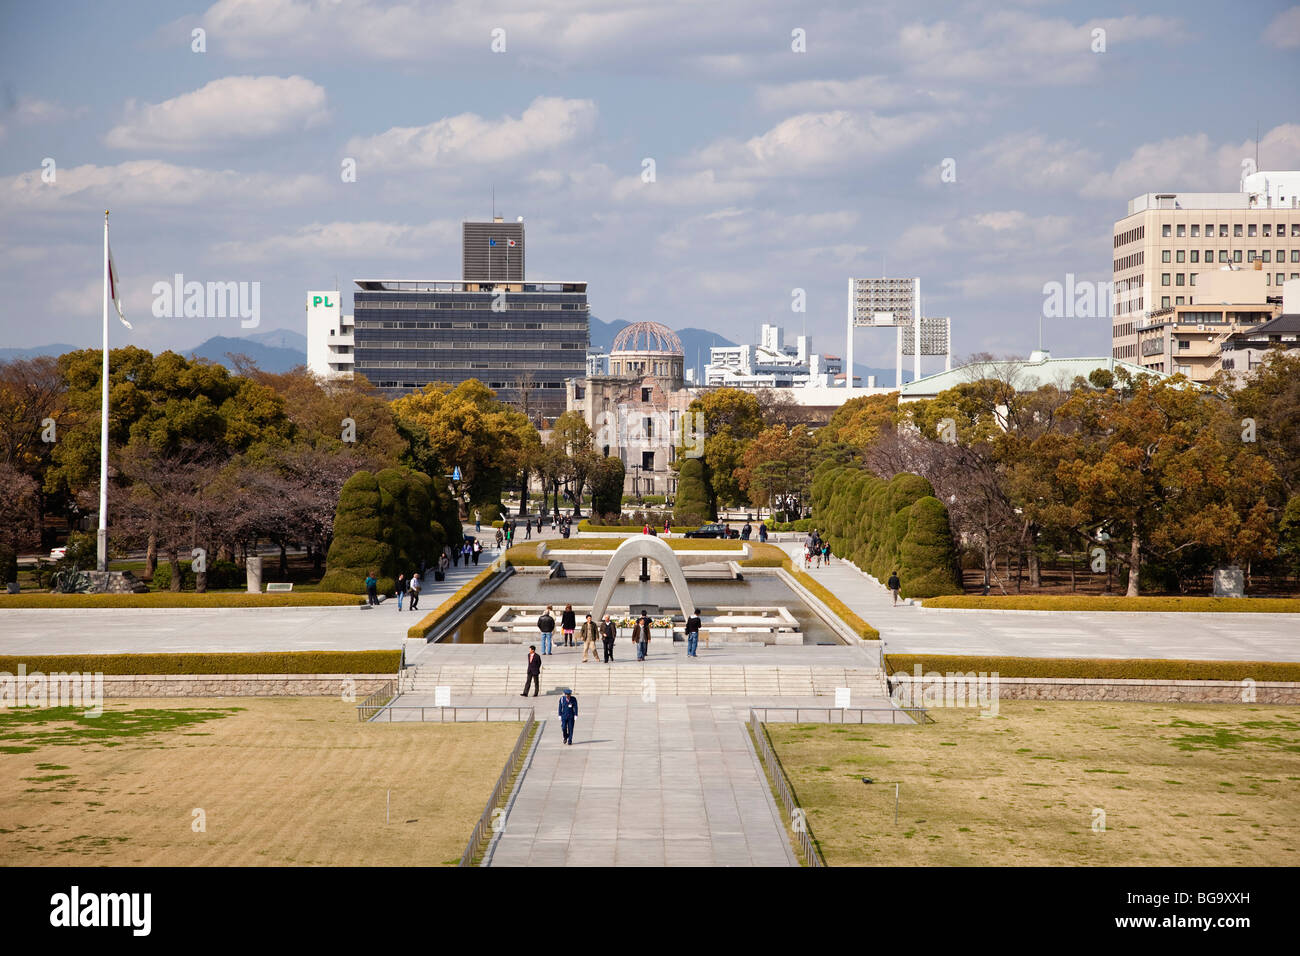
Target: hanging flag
(510, 243)
(492, 242)
(114, 289)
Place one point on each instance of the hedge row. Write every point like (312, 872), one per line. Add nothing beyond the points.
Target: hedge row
(1053, 602)
(586, 527)
(221, 574)
(770, 556)
(184, 599)
(420, 630)
(1095, 668)
(276, 662)
(525, 555)
(886, 526)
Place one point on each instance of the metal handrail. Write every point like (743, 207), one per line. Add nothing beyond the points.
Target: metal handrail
(376, 701)
(917, 715)
(479, 713)
(767, 757)
(483, 829)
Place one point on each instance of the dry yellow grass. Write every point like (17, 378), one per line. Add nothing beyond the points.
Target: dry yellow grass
(281, 781)
(1180, 784)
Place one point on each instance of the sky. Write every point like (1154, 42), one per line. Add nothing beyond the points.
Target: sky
(696, 164)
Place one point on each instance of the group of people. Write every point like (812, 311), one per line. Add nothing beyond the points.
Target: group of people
(816, 548)
(605, 632)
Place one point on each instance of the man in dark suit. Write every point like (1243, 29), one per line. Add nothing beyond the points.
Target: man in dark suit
(568, 713)
(693, 625)
(608, 631)
(534, 671)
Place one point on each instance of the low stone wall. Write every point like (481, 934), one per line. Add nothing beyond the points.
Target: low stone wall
(243, 685)
(1151, 691)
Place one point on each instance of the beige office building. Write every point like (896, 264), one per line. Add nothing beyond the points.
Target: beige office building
(1168, 240)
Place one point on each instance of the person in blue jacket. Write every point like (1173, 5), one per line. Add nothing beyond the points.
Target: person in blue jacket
(568, 713)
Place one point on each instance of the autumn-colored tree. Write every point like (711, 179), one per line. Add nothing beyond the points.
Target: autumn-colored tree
(572, 439)
(732, 418)
(32, 407)
(466, 427)
(778, 463)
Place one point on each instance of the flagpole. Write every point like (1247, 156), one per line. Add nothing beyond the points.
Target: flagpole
(101, 562)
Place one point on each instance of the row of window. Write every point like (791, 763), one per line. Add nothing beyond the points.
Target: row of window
(452, 363)
(1130, 235)
(462, 344)
(1251, 230)
(511, 303)
(1178, 277)
(393, 383)
(496, 326)
(1264, 255)
(1130, 261)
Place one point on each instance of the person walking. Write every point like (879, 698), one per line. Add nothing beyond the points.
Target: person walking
(455, 556)
(693, 634)
(668, 527)
(546, 625)
(826, 553)
(762, 532)
(500, 538)
(372, 589)
(478, 523)
(443, 562)
(590, 635)
(478, 549)
(400, 589)
(746, 531)
(568, 714)
(608, 631)
(641, 634)
(568, 624)
(894, 586)
(466, 550)
(414, 588)
(534, 676)
(528, 529)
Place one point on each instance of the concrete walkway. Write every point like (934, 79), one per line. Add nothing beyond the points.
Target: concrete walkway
(669, 783)
(910, 629)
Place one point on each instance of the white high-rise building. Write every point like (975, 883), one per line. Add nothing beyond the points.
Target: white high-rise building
(329, 336)
(771, 364)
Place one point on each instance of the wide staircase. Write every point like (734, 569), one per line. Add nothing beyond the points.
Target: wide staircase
(732, 680)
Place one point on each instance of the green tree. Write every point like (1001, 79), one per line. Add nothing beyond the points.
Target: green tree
(607, 488)
(691, 506)
(732, 418)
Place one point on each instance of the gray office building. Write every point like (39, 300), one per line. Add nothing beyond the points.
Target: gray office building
(508, 335)
(492, 250)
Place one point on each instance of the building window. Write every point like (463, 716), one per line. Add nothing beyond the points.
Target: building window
(1191, 280)
(1281, 277)
(1196, 230)
(1281, 257)
(1236, 230)
(1250, 230)
(1181, 257)
(648, 461)
(1182, 230)
(1295, 230)
(1250, 255)
(1164, 302)
(1209, 255)
(1164, 256)
(1266, 255)
(1223, 255)
(1223, 230)
(1178, 279)
(1184, 344)
(1164, 278)
(1268, 229)
(1179, 301)
(1236, 255)
(1164, 230)
(1196, 255)
(1295, 257)
(645, 394)
(648, 426)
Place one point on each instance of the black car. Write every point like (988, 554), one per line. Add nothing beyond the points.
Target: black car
(714, 530)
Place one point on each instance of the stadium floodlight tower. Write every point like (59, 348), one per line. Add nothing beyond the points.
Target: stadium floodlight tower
(896, 303)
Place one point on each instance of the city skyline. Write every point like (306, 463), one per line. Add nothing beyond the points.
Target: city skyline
(987, 153)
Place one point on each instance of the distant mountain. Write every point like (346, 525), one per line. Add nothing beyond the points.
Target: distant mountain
(281, 339)
(269, 358)
(9, 354)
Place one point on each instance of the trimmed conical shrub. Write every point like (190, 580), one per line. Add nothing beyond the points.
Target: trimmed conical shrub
(692, 504)
(927, 558)
(358, 546)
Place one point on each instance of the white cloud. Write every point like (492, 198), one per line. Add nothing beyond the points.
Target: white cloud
(685, 189)
(1016, 47)
(1284, 31)
(471, 140)
(1194, 162)
(232, 108)
(30, 109)
(1029, 160)
(865, 92)
(152, 182)
(348, 240)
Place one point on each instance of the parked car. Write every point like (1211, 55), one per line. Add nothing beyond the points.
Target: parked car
(714, 530)
(58, 554)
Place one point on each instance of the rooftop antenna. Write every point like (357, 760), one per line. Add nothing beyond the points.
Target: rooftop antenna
(494, 202)
(1257, 145)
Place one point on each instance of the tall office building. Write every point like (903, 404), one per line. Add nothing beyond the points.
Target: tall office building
(1168, 239)
(493, 250)
(520, 338)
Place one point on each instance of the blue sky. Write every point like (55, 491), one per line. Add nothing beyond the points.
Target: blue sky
(775, 169)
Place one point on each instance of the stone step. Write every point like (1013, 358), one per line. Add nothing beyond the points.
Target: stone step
(668, 680)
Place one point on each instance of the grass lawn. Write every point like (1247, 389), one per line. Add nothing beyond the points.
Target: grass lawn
(182, 599)
(282, 781)
(1180, 784)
